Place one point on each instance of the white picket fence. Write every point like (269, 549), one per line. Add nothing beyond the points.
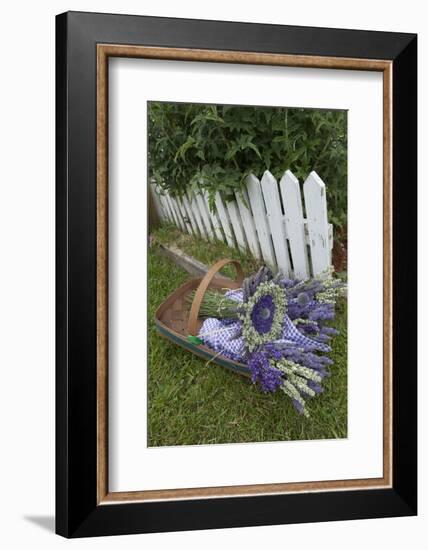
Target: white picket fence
(269, 222)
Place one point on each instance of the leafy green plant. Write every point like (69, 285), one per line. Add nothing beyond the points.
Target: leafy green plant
(215, 147)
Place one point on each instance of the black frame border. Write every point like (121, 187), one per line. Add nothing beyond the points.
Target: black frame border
(77, 512)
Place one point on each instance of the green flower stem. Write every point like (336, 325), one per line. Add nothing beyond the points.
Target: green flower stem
(215, 304)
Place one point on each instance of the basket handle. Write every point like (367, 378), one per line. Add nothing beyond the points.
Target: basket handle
(203, 285)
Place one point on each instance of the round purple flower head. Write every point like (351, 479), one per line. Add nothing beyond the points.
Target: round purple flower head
(262, 315)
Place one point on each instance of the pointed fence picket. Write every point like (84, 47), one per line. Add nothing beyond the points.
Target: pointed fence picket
(244, 207)
(267, 218)
(316, 215)
(157, 202)
(260, 219)
(171, 210)
(276, 223)
(190, 214)
(167, 209)
(197, 215)
(206, 219)
(225, 220)
(235, 220)
(166, 214)
(184, 216)
(178, 213)
(295, 224)
(216, 223)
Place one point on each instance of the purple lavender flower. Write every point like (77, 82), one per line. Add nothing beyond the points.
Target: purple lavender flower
(263, 314)
(315, 386)
(330, 331)
(308, 328)
(324, 312)
(302, 356)
(298, 406)
(263, 373)
(272, 311)
(303, 299)
(322, 338)
(252, 283)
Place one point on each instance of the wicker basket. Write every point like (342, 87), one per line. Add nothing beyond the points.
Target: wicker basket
(176, 321)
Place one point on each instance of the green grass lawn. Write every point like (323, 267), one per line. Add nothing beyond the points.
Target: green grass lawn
(191, 403)
(197, 247)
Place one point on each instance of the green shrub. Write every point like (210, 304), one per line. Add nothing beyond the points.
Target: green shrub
(217, 146)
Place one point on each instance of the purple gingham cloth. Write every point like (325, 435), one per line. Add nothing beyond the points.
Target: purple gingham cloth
(225, 336)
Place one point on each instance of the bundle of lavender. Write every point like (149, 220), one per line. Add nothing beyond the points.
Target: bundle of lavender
(278, 327)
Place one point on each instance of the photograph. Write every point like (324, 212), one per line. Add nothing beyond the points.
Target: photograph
(246, 274)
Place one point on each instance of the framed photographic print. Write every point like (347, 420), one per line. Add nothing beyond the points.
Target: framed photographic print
(236, 274)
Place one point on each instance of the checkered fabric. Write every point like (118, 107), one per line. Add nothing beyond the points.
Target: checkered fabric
(224, 336)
